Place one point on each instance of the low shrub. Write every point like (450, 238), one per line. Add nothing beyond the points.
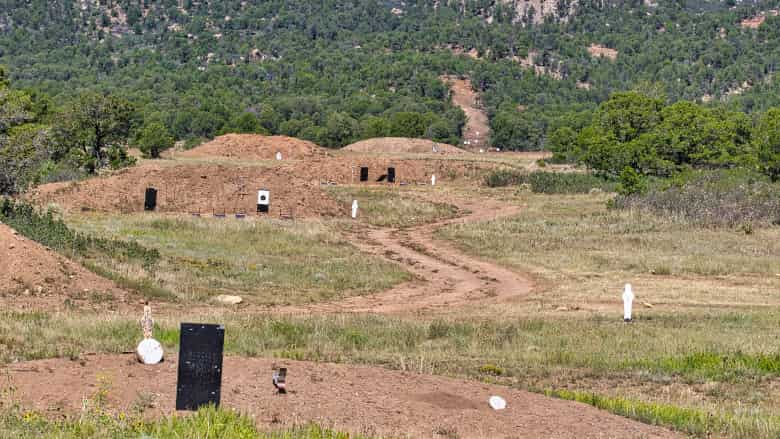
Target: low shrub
(503, 178)
(491, 369)
(545, 182)
(734, 198)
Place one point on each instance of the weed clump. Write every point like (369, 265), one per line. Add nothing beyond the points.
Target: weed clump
(716, 198)
(544, 182)
(50, 231)
(491, 369)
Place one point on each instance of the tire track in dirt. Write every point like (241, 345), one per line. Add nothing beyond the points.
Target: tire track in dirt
(445, 277)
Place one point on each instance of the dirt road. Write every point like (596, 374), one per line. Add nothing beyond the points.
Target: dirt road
(445, 277)
(476, 133)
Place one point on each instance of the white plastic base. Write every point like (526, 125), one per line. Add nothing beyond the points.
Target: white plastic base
(149, 351)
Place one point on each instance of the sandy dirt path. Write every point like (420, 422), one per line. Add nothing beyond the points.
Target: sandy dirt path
(349, 398)
(445, 277)
(476, 133)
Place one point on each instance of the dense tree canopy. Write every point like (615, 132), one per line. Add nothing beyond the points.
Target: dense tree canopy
(640, 133)
(336, 71)
(691, 85)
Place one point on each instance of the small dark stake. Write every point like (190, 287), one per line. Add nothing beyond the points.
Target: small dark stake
(200, 366)
(391, 175)
(364, 174)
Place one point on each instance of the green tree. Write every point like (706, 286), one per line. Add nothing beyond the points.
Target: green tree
(629, 115)
(407, 124)
(153, 139)
(340, 129)
(374, 126)
(92, 125)
(15, 108)
(24, 145)
(512, 130)
(766, 137)
(563, 143)
(245, 123)
(3, 78)
(441, 131)
(631, 182)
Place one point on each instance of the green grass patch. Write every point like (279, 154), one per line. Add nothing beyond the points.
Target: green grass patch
(50, 231)
(718, 366)
(521, 346)
(392, 207)
(206, 423)
(265, 261)
(688, 420)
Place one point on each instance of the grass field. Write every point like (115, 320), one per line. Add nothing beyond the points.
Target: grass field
(701, 357)
(585, 252)
(392, 207)
(714, 363)
(707, 302)
(266, 262)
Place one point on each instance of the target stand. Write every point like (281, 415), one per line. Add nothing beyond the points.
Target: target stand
(263, 201)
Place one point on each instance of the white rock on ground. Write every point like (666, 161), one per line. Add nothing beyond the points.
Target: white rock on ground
(228, 300)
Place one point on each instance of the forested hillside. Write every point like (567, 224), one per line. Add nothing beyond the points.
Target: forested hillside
(334, 72)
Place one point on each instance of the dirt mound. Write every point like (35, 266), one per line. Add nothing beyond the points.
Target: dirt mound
(295, 186)
(34, 277)
(190, 188)
(346, 170)
(255, 147)
(349, 398)
(392, 145)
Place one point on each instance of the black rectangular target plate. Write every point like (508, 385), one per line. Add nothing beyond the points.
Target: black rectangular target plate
(200, 365)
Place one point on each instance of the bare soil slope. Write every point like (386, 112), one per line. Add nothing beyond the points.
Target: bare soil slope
(394, 145)
(34, 277)
(476, 134)
(206, 189)
(350, 398)
(296, 186)
(255, 147)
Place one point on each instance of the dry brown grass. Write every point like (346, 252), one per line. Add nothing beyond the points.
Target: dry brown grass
(266, 261)
(392, 206)
(700, 284)
(584, 253)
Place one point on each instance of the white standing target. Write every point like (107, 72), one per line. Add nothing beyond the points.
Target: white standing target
(628, 303)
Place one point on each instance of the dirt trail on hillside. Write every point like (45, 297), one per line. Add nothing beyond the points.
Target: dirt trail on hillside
(476, 133)
(445, 277)
(349, 398)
